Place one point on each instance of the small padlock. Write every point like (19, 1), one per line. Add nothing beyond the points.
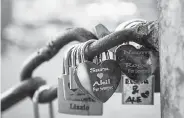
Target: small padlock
(35, 102)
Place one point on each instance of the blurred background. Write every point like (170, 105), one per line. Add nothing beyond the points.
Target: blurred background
(27, 25)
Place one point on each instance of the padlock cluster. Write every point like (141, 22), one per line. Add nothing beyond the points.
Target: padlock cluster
(86, 84)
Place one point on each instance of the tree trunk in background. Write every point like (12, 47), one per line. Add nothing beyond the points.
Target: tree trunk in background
(172, 58)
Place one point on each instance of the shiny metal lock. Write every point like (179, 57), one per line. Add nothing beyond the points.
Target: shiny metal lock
(35, 102)
(74, 101)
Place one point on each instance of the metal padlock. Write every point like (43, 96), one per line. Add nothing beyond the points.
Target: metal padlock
(141, 93)
(77, 103)
(101, 31)
(35, 102)
(69, 78)
(124, 25)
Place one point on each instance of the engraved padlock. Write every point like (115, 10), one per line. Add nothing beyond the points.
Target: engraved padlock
(98, 80)
(135, 93)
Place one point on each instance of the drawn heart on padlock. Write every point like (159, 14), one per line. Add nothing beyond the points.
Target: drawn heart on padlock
(100, 81)
(100, 75)
(145, 95)
(134, 63)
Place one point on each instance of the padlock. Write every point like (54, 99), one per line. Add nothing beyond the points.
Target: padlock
(101, 31)
(77, 103)
(100, 81)
(69, 77)
(133, 62)
(35, 102)
(125, 25)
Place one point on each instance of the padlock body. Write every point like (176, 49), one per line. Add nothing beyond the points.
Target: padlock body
(138, 93)
(80, 107)
(74, 94)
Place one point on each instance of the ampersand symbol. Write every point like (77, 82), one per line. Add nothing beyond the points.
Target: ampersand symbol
(135, 89)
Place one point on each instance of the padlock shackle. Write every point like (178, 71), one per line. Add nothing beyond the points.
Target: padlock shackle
(83, 47)
(73, 55)
(66, 60)
(130, 23)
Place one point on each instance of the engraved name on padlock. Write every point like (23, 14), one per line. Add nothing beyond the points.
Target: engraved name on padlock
(100, 81)
(76, 107)
(138, 94)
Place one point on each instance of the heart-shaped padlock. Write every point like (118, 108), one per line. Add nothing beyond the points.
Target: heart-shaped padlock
(135, 63)
(100, 81)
